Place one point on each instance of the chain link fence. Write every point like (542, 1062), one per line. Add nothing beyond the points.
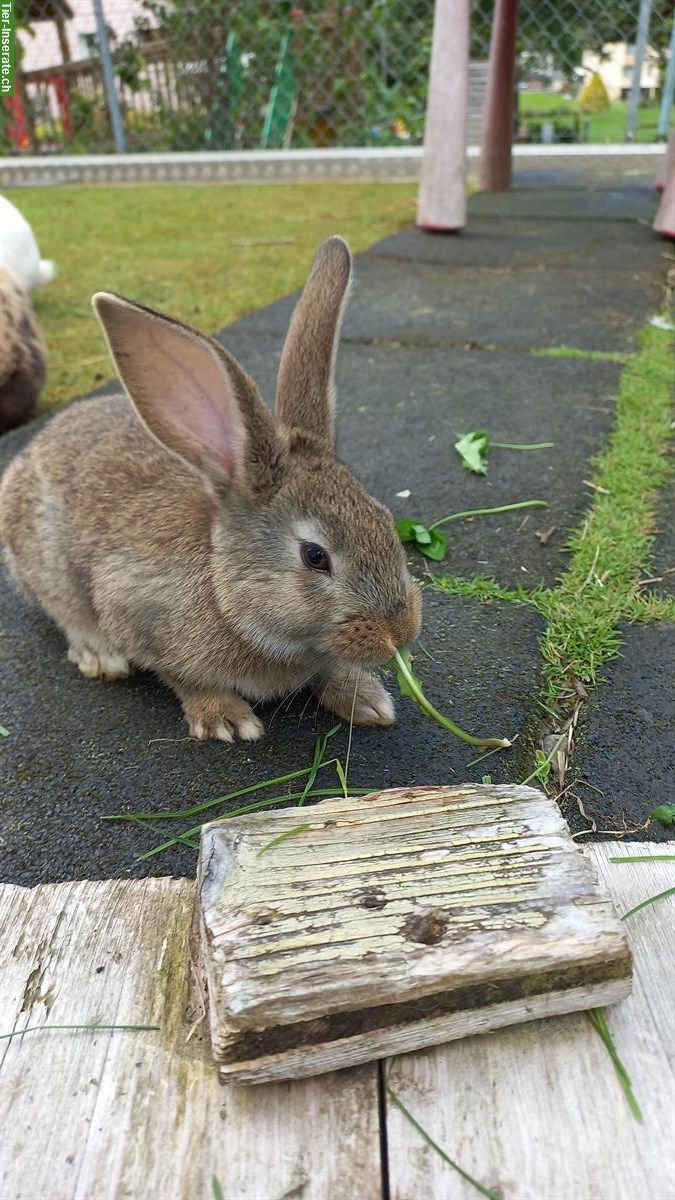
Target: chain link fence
(169, 75)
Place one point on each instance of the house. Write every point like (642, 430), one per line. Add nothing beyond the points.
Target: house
(43, 49)
(615, 64)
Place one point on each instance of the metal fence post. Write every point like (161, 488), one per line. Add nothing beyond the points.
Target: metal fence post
(636, 85)
(668, 90)
(109, 79)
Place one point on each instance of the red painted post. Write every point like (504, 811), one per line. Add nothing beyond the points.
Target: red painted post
(495, 161)
(667, 163)
(441, 205)
(664, 222)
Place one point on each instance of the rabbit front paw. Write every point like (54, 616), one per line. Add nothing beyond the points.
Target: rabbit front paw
(221, 715)
(372, 704)
(96, 659)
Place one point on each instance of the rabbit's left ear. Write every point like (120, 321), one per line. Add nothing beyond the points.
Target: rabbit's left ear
(306, 380)
(191, 394)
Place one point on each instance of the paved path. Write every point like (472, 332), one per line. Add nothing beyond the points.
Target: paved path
(438, 340)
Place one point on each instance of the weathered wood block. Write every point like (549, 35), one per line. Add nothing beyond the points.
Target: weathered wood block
(395, 921)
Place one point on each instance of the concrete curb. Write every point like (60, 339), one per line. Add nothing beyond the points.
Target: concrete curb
(359, 165)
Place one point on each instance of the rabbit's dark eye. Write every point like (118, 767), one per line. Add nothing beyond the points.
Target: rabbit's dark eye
(315, 557)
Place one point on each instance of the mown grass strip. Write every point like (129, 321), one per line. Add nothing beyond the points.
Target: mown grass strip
(572, 352)
(610, 551)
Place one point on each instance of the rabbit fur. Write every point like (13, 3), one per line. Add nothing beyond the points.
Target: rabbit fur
(169, 528)
(23, 357)
(19, 250)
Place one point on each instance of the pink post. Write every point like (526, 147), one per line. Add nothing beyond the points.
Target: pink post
(664, 222)
(495, 161)
(441, 205)
(666, 165)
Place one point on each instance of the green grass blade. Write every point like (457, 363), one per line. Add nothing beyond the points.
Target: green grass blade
(283, 837)
(319, 751)
(488, 512)
(645, 858)
(650, 900)
(216, 1188)
(255, 806)
(516, 446)
(186, 813)
(598, 1020)
(342, 777)
(89, 1028)
(435, 1146)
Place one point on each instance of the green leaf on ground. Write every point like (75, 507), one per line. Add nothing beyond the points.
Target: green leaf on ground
(472, 449)
(429, 542)
(4, 732)
(665, 813)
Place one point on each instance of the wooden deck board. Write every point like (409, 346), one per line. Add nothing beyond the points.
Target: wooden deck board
(537, 1111)
(533, 1112)
(128, 1115)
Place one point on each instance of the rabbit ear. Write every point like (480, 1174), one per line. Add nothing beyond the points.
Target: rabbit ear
(191, 394)
(306, 385)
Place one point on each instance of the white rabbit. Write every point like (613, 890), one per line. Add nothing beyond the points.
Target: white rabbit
(19, 252)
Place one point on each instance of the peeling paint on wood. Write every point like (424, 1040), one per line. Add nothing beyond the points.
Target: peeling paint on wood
(396, 921)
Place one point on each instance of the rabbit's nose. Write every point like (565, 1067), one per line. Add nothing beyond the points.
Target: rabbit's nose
(405, 626)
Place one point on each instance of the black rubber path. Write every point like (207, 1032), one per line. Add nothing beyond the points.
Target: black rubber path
(439, 340)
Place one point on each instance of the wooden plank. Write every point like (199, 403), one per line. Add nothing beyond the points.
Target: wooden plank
(360, 928)
(108, 1115)
(538, 1111)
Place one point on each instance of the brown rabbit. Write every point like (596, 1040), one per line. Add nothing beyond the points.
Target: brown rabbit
(23, 357)
(184, 530)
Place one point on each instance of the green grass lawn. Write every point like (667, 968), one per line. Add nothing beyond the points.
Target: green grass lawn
(608, 127)
(205, 254)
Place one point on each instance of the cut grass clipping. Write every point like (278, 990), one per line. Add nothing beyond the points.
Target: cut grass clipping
(433, 544)
(81, 1028)
(646, 858)
(215, 807)
(473, 449)
(411, 686)
(598, 1021)
(396, 1100)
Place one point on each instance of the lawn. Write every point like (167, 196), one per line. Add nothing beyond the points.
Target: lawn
(205, 254)
(608, 127)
